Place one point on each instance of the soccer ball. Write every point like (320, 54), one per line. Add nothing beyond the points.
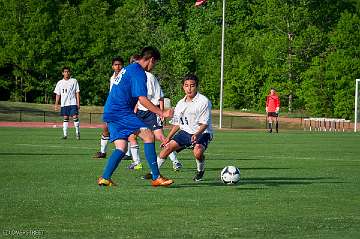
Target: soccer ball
(230, 175)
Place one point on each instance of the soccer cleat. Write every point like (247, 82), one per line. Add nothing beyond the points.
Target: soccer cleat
(100, 155)
(161, 181)
(78, 136)
(198, 176)
(105, 182)
(64, 137)
(177, 166)
(135, 166)
(270, 131)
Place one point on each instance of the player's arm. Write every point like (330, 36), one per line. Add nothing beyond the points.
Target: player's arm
(161, 105)
(78, 100)
(203, 122)
(57, 98)
(267, 104)
(150, 106)
(201, 130)
(172, 132)
(277, 105)
(161, 102)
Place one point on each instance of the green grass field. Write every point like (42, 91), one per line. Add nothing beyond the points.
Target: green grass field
(293, 185)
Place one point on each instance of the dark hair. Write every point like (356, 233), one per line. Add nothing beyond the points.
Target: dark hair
(149, 52)
(134, 58)
(65, 68)
(118, 58)
(191, 77)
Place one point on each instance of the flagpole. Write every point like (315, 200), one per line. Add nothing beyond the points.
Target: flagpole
(222, 65)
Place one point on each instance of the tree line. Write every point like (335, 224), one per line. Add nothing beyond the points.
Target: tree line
(307, 49)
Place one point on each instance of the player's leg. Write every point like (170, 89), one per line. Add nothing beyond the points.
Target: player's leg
(150, 154)
(103, 142)
(64, 111)
(113, 162)
(270, 122)
(65, 126)
(134, 149)
(77, 125)
(159, 135)
(199, 149)
(74, 113)
(168, 149)
(200, 161)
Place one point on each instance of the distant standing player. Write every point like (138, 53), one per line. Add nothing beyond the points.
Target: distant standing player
(129, 88)
(68, 90)
(192, 115)
(117, 65)
(272, 110)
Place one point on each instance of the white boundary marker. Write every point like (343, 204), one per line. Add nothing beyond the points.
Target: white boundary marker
(356, 104)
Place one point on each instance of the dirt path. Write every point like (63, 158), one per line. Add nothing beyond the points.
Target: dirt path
(255, 116)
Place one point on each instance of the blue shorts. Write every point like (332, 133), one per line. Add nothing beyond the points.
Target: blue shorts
(125, 126)
(150, 119)
(70, 110)
(183, 139)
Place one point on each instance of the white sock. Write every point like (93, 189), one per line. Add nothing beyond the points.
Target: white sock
(200, 165)
(65, 127)
(173, 158)
(103, 143)
(160, 161)
(77, 126)
(135, 153)
(128, 152)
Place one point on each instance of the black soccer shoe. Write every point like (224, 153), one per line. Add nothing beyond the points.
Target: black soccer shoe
(100, 155)
(198, 176)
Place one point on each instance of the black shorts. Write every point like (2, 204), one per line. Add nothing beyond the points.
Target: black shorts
(70, 110)
(150, 119)
(183, 139)
(272, 114)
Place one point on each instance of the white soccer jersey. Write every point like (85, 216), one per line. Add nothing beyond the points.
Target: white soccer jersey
(154, 92)
(112, 79)
(67, 90)
(188, 115)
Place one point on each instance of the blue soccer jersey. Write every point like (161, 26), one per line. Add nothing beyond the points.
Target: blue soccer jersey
(119, 106)
(127, 87)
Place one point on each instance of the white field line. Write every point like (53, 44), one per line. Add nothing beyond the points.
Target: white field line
(213, 154)
(51, 146)
(287, 157)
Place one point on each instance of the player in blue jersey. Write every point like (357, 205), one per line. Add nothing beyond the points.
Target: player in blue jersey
(117, 65)
(128, 88)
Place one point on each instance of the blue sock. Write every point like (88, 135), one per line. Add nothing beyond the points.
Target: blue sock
(112, 163)
(150, 155)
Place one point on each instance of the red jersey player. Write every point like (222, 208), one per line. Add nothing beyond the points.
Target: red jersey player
(272, 109)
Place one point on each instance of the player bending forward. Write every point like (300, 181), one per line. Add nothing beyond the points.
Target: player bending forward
(117, 65)
(192, 115)
(128, 88)
(153, 121)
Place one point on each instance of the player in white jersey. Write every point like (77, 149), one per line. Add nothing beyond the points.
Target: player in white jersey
(192, 115)
(68, 90)
(156, 96)
(117, 64)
